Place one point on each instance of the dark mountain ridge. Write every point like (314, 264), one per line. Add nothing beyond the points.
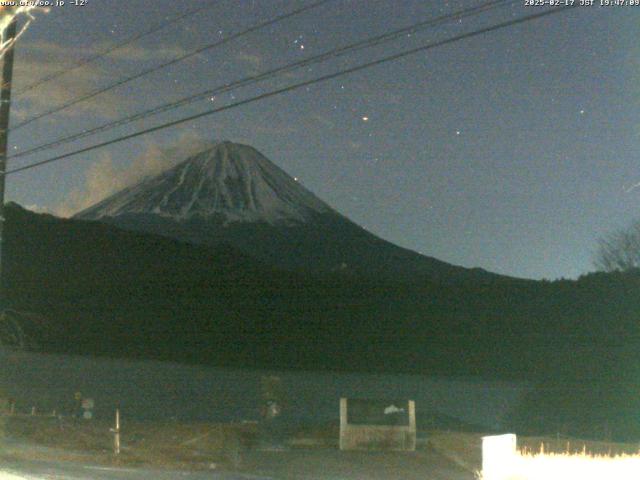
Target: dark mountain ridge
(232, 194)
(87, 276)
(99, 290)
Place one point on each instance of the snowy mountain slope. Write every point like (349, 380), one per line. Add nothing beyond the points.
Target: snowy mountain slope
(232, 194)
(230, 181)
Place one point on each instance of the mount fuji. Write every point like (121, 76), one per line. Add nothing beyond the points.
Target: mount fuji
(232, 194)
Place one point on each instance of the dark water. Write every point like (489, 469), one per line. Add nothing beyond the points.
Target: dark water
(148, 390)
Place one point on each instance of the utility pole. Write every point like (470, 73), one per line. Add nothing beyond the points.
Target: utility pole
(5, 105)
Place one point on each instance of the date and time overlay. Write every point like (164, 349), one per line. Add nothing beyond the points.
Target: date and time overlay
(526, 3)
(582, 3)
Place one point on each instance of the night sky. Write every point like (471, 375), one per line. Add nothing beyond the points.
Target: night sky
(513, 151)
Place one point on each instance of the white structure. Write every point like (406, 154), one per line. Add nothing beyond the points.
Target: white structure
(372, 436)
(499, 456)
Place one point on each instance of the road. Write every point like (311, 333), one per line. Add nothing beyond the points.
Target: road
(36, 470)
(317, 464)
(332, 464)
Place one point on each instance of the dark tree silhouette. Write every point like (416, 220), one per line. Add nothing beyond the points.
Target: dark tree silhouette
(620, 250)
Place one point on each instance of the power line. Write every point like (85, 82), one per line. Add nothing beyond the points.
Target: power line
(337, 52)
(151, 70)
(109, 50)
(297, 86)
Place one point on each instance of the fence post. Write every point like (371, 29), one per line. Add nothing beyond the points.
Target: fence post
(116, 434)
(343, 423)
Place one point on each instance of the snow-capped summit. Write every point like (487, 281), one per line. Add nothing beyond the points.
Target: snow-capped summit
(229, 182)
(231, 194)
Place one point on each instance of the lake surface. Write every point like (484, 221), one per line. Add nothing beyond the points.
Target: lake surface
(152, 390)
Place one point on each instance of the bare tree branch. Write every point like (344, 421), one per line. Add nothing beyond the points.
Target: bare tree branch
(619, 251)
